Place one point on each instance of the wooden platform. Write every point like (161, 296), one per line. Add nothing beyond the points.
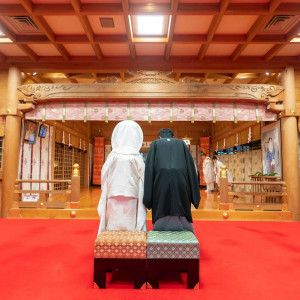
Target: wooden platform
(208, 210)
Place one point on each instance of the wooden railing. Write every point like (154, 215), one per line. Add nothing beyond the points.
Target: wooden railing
(49, 198)
(42, 198)
(253, 195)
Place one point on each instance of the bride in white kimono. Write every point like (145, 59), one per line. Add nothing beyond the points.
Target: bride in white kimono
(208, 172)
(122, 181)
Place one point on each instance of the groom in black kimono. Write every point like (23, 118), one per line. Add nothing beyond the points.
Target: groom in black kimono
(171, 183)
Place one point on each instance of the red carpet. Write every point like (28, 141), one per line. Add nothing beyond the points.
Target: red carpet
(53, 259)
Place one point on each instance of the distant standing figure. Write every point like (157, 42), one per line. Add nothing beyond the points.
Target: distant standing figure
(208, 172)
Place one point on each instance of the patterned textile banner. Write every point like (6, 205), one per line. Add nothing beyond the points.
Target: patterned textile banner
(35, 162)
(2, 126)
(99, 146)
(157, 111)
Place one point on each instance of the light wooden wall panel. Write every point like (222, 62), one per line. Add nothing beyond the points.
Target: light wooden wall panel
(150, 131)
(229, 130)
(3, 88)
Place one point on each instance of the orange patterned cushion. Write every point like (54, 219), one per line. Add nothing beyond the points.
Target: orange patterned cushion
(121, 244)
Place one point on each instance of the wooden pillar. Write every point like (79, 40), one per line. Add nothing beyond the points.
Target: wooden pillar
(12, 142)
(75, 191)
(223, 205)
(289, 133)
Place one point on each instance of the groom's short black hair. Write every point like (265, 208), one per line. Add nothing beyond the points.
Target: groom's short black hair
(166, 133)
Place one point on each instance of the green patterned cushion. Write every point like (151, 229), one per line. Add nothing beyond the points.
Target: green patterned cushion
(172, 245)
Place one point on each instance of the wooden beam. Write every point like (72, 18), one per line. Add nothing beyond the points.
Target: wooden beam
(204, 78)
(27, 4)
(274, 79)
(208, 64)
(176, 38)
(96, 77)
(62, 50)
(84, 21)
(156, 92)
(293, 33)
(122, 75)
(229, 80)
(44, 9)
(174, 7)
(71, 80)
(256, 28)
(42, 79)
(178, 74)
(238, 51)
(2, 57)
(43, 25)
(275, 49)
(7, 31)
(31, 77)
(202, 51)
(272, 52)
(259, 78)
(213, 28)
(11, 35)
(235, 129)
(274, 4)
(37, 78)
(29, 52)
(125, 6)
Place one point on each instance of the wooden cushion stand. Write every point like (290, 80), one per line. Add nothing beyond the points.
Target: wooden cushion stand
(120, 250)
(172, 251)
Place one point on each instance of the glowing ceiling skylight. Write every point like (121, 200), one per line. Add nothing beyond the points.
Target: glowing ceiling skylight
(150, 25)
(4, 39)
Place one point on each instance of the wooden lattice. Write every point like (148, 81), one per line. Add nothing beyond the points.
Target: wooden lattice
(65, 157)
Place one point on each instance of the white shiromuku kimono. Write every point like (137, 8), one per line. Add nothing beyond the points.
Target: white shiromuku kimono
(122, 181)
(208, 172)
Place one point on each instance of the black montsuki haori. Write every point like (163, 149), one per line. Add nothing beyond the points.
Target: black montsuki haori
(171, 182)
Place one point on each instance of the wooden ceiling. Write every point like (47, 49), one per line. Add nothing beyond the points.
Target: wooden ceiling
(215, 41)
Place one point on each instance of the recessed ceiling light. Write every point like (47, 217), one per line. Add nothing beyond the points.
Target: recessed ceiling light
(267, 73)
(34, 73)
(295, 39)
(5, 40)
(150, 25)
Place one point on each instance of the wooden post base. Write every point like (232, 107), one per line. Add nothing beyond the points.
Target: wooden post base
(156, 266)
(136, 266)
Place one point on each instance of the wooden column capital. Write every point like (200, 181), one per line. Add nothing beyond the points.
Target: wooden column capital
(10, 112)
(289, 113)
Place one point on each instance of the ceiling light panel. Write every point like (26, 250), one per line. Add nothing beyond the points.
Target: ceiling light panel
(150, 26)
